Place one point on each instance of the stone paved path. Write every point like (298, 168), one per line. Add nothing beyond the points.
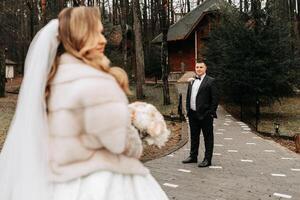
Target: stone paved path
(245, 167)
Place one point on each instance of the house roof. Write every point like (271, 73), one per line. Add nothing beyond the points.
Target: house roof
(182, 29)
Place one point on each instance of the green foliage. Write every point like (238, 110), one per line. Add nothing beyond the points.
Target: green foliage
(153, 67)
(53, 10)
(115, 55)
(252, 56)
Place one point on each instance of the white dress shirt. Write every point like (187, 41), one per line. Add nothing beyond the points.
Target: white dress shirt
(195, 88)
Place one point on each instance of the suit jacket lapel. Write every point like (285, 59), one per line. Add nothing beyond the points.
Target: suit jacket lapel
(190, 88)
(202, 85)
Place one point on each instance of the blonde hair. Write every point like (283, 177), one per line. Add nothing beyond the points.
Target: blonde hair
(122, 78)
(79, 35)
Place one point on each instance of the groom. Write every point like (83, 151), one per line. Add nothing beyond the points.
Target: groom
(201, 106)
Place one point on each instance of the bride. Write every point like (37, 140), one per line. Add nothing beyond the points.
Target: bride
(71, 138)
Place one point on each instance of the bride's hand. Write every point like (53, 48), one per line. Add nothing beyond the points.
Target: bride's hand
(134, 147)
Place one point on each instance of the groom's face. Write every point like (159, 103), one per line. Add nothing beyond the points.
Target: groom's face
(200, 68)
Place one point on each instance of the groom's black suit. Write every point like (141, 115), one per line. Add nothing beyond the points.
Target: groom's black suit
(202, 117)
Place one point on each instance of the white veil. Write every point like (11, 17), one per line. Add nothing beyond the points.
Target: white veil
(23, 160)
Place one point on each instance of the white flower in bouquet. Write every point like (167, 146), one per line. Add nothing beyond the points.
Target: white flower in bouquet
(150, 123)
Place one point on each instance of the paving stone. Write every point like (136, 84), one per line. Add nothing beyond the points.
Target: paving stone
(236, 180)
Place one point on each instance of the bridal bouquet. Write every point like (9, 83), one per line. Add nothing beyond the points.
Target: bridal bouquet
(150, 123)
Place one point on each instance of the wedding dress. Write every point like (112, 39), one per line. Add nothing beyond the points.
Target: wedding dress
(105, 185)
(24, 158)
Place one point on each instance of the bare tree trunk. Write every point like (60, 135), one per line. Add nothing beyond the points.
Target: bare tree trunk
(201, 1)
(241, 5)
(146, 42)
(103, 9)
(43, 5)
(114, 11)
(110, 11)
(124, 32)
(145, 21)
(297, 26)
(118, 12)
(246, 6)
(292, 19)
(132, 42)
(139, 52)
(31, 7)
(292, 10)
(76, 3)
(255, 6)
(128, 10)
(182, 7)
(164, 52)
(172, 12)
(153, 18)
(61, 4)
(2, 74)
(90, 3)
(188, 5)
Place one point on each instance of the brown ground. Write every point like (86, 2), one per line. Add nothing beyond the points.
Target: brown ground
(152, 152)
(290, 144)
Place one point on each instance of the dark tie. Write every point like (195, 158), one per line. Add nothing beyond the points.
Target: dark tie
(198, 78)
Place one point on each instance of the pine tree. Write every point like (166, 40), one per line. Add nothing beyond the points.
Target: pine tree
(252, 57)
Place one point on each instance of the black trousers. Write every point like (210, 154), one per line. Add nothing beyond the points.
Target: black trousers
(196, 126)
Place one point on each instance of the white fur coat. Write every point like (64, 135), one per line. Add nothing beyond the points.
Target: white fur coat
(89, 124)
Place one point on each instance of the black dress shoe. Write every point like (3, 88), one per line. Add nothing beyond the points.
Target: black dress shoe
(204, 163)
(190, 160)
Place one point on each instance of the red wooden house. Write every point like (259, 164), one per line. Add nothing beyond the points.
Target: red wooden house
(185, 37)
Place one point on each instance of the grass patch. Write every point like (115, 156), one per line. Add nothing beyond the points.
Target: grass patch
(7, 109)
(154, 95)
(286, 113)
